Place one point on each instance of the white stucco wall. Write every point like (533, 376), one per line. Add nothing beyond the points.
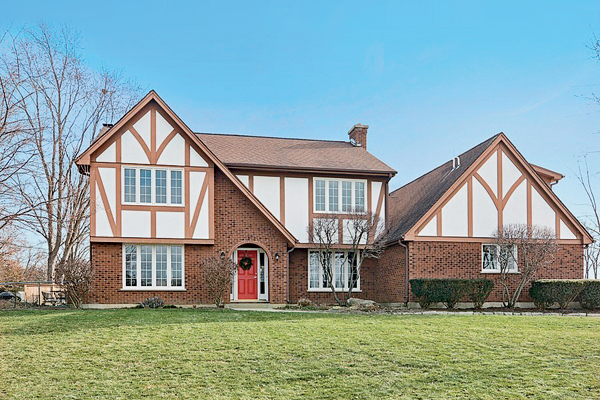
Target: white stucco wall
(430, 229)
(515, 210)
(296, 207)
(489, 172)
(109, 154)
(131, 150)
(454, 215)
(541, 213)
(135, 223)
(267, 190)
(485, 213)
(170, 224)
(174, 153)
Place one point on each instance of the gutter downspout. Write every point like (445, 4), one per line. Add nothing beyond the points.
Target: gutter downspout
(406, 271)
(287, 295)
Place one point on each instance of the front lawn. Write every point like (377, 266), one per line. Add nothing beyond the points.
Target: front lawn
(210, 354)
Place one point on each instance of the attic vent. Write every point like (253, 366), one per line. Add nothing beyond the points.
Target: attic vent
(455, 163)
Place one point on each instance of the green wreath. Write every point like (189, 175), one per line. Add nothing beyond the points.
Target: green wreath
(246, 263)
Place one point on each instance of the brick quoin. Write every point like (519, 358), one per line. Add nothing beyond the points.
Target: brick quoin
(237, 221)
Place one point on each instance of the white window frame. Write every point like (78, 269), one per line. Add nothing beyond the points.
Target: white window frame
(321, 273)
(138, 286)
(497, 270)
(340, 185)
(153, 202)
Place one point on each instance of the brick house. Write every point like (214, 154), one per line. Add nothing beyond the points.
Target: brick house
(164, 198)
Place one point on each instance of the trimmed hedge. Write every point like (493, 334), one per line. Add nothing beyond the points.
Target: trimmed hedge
(450, 291)
(546, 292)
(589, 298)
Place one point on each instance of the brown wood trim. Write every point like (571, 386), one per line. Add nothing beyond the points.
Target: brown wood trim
(251, 183)
(166, 166)
(211, 204)
(369, 196)
(529, 205)
(512, 190)
(164, 144)
(151, 240)
(153, 207)
(186, 196)
(154, 159)
(311, 206)
(340, 231)
(118, 150)
(153, 223)
(199, 205)
(109, 214)
(488, 189)
(380, 200)
(339, 246)
(499, 175)
(470, 207)
(439, 222)
(282, 199)
(142, 143)
(326, 172)
(556, 225)
(466, 239)
(187, 153)
(119, 199)
(93, 172)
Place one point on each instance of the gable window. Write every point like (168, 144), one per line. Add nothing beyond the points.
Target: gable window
(157, 266)
(157, 186)
(491, 256)
(342, 272)
(339, 195)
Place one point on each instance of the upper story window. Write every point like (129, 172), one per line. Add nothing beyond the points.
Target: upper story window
(339, 195)
(152, 186)
(491, 256)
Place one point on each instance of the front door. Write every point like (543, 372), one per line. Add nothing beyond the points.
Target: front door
(247, 278)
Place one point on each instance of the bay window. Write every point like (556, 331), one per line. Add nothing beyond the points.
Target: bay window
(339, 195)
(342, 272)
(152, 186)
(149, 267)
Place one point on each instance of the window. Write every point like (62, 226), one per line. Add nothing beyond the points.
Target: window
(161, 186)
(145, 186)
(342, 273)
(176, 185)
(320, 195)
(130, 185)
(157, 266)
(490, 256)
(328, 193)
(346, 196)
(152, 186)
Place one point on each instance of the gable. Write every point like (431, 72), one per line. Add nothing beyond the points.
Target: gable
(499, 188)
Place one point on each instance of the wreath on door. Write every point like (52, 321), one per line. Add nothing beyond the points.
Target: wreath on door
(246, 263)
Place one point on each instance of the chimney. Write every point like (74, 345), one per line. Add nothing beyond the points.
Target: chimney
(104, 128)
(358, 135)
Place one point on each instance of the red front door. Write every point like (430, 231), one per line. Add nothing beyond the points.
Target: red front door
(247, 278)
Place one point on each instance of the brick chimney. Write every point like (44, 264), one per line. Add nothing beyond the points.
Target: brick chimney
(358, 135)
(104, 128)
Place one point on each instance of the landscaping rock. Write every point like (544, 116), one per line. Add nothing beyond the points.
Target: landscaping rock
(361, 304)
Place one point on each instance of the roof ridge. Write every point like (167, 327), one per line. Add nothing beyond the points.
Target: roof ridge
(446, 162)
(272, 137)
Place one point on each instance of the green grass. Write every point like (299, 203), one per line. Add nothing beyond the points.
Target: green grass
(210, 354)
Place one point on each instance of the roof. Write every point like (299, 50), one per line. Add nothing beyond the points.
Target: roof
(408, 204)
(243, 151)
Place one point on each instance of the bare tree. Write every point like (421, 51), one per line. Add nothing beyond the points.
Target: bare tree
(527, 249)
(218, 272)
(76, 275)
(361, 240)
(591, 221)
(61, 105)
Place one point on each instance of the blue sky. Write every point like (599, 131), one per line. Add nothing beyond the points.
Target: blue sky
(432, 79)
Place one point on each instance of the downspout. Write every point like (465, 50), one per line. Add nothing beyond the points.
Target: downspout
(405, 271)
(287, 292)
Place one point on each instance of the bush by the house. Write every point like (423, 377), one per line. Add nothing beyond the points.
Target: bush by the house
(546, 292)
(450, 291)
(479, 290)
(76, 276)
(304, 302)
(152, 302)
(589, 298)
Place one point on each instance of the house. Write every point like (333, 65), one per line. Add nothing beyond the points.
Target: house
(165, 198)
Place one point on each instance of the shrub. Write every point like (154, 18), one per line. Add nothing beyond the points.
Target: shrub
(546, 292)
(152, 302)
(589, 298)
(447, 291)
(76, 276)
(479, 290)
(218, 273)
(304, 302)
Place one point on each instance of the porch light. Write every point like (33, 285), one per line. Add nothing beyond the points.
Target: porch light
(277, 256)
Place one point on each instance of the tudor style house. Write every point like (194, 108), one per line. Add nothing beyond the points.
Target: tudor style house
(164, 198)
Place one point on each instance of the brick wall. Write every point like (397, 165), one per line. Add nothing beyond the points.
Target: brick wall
(237, 221)
(463, 260)
(391, 276)
(299, 280)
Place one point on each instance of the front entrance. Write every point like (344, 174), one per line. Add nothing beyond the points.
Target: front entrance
(247, 277)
